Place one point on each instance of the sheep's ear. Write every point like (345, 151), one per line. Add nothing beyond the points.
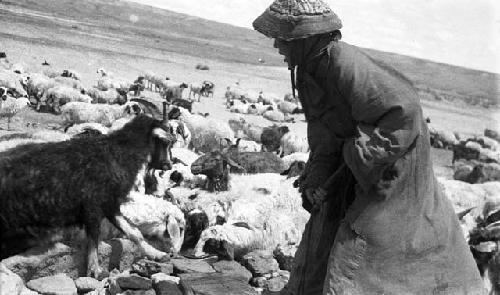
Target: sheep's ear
(238, 141)
(228, 141)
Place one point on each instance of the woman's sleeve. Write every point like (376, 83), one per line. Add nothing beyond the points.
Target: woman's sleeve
(386, 130)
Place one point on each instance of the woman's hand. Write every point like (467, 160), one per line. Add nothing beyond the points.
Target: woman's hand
(316, 196)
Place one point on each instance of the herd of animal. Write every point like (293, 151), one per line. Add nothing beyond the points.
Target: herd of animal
(114, 152)
(186, 179)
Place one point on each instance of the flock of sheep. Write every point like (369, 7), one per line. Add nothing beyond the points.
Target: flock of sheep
(185, 198)
(221, 187)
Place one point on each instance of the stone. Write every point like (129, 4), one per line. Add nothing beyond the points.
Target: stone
(59, 258)
(11, 284)
(167, 288)
(134, 281)
(158, 277)
(285, 254)
(232, 268)
(86, 284)
(123, 254)
(26, 291)
(182, 265)
(114, 288)
(275, 284)
(146, 268)
(139, 292)
(259, 282)
(260, 262)
(59, 284)
(214, 284)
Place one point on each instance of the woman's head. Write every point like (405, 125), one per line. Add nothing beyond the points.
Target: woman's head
(296, 19)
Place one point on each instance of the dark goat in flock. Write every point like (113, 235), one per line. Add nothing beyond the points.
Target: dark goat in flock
(216, 165)
(77, 182)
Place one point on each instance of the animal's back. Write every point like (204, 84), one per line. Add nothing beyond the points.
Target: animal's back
(259, 162)
(51, 184)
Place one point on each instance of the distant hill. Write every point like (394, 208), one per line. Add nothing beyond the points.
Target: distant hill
(164, 30)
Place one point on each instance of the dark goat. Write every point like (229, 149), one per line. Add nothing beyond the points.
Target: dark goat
(3, 55)
(207, 88)
(271, 137)
(215, 166)
(253, 162)
(77, 182)
(295, 169)
(180, 102)
(483, 242)
(196, 223)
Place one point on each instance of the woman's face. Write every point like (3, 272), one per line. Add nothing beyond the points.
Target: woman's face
(284, 48)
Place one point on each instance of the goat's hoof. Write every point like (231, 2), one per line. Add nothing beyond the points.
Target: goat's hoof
(95, 272)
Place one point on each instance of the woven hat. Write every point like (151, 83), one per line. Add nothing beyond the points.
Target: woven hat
(296, 19)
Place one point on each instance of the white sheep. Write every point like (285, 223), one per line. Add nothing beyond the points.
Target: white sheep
(12, 80)
(288, 107)
(70, 82)
(80, 112)
(293, 142)
(259, 108)
(267, 204)
(247, 145)
(37, 84)
(61, 95)
(206, 132)
(237, 106)
(155, 217)
(173, 89)
(252, 132)
(104, 83)
(195, 89)
(38, 136)
(269, 98)
(11, 106)
(277, 116)
(110, 96)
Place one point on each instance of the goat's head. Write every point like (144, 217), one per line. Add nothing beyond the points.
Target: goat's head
(163, 141)
(133, 108)
(102, 71)
(196, 223)
(221, 248)
(215, 166)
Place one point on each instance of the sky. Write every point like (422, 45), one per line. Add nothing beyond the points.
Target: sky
(458, 32)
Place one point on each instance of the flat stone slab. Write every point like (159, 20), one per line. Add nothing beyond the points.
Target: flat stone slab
(86, 284)
(59, 284)
(134, 281)
(232, 268)
(260, 263)
(214, 284)
(191, 265)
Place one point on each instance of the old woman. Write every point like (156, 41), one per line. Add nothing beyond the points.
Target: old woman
(379, 221)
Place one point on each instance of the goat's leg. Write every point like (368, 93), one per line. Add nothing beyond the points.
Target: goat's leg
(135, 235)
(93, 229)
